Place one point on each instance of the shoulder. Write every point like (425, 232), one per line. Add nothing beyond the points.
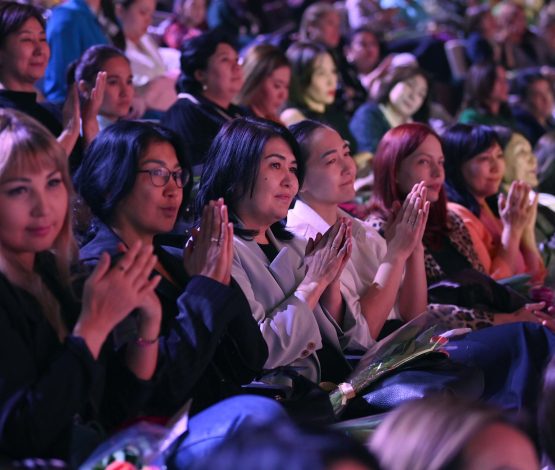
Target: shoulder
(291, 116)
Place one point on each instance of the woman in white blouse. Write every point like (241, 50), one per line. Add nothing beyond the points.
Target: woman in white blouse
(387, 279)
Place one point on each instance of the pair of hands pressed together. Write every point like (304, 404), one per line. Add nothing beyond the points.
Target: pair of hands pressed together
(517, 211)
(209, 251)
(405, 227)
(111, 293)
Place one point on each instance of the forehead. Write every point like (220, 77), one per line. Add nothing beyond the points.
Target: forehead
(364, 37)
(224, 49)
(117, 65)
(430, 146)
(31, 25)
(161, 151)
(278, 146)
(323, 60)
(281, 73)
(325, 139)
(144, 4)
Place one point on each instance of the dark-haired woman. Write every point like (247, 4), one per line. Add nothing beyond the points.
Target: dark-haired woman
(210, 79)
(135, 179)
(293, 288)
(474, 170)
(25, 56)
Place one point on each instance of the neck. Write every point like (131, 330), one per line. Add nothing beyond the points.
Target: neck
(315, 105)
(494, 107)
(394, 117)
(263, 113)
(249, 223)
(328, 212)
(12, 264)
(94, 5)
(16, 85)
(221, 101)
(129, 236)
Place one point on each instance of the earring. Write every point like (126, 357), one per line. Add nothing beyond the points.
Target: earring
(204, 87)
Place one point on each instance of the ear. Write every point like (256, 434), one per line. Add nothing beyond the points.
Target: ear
(83, 89)
(199, 75)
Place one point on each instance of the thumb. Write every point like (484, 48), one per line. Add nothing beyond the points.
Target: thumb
(501, 201)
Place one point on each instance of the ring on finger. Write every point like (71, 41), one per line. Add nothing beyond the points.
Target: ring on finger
(214, 239)
(122, 268)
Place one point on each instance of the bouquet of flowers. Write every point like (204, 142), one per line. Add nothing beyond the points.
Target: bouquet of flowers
(419, 337)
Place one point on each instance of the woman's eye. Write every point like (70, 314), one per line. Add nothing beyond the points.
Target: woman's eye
(331, 161)
(423, 162)
(17, 191)
(276, 165)
(55, 182)
(294, 170)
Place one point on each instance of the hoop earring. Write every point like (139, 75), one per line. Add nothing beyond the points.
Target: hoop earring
(204, 87)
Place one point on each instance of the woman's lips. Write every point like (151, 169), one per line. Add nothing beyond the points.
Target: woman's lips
(39, 231)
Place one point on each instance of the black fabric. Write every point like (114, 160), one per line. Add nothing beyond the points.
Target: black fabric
(449, 258)
(209, 342)
(472, 289)
(430, 374)
(269, 250)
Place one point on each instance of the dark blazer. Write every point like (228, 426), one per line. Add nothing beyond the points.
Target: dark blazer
(209, 342)
(48, 387)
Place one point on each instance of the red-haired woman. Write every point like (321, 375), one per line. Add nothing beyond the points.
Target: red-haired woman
(411, 153)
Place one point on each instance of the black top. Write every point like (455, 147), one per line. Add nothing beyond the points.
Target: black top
(197, 120)
(209, 342)
(449, 258)
(48, 387)
(46, 113)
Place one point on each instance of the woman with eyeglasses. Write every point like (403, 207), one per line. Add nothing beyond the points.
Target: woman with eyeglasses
(135, 179)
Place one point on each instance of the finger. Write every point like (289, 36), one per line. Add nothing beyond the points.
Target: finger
(150, 285)
(142, 266)
(128, 258)
(338, 241)
(309, 246)
(102, 267)
(146, 273)
(215, 233)
(122, 247)
(501, 202)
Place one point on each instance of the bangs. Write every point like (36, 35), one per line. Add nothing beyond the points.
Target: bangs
(31, 155)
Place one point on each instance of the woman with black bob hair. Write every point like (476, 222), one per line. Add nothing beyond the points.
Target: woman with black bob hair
(293, 287)
(210, 79)
(501, 226)
(135, 178)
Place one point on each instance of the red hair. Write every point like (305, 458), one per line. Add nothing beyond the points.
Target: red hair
(395, 146)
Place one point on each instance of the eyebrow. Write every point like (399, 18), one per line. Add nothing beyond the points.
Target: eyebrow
(26, 180)
(160, 162)
(329, 152)
(277, 155)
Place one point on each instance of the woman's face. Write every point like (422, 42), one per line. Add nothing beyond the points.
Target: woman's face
(223, 76)
(194, 11)
(330, 170)
(150, 209)
(328, 30)
(33, 207)
(520, 161)
(424, 164)
(323, 83)
(136, 18)
(364, 52)
(273, 92)
(119, 90)
(540, 99)
(24, 55)
(484, 172)
(275, 187)
(407, 97)
(498, 446)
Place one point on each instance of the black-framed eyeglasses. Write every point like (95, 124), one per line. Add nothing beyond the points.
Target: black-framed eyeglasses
(161, 176)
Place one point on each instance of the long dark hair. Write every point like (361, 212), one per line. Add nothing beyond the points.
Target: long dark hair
(232, 164)
(462, 142)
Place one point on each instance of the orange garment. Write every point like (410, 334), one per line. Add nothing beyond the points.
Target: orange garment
(485, 233)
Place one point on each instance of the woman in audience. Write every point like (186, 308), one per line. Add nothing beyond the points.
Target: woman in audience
(188, 20)
(441, 432)
(293, 287)
(411, 153)
(267, 76)
(534, 113)
(313, 88)
(401, 97)
(485, 96)
(117, 93)
(545, 153)
(211, 78)
(25, 55)
(209, 343)
(388, 280)
(154, 80)
(53, 347)
(502, 230)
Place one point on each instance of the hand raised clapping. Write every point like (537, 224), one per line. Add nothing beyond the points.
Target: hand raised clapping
(405, 229)
(516, 210)
(209, 252)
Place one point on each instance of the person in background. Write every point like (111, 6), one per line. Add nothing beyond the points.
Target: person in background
(440, 432)
(211, 77)
(153, 79)
(267, 77)
(188, 20)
